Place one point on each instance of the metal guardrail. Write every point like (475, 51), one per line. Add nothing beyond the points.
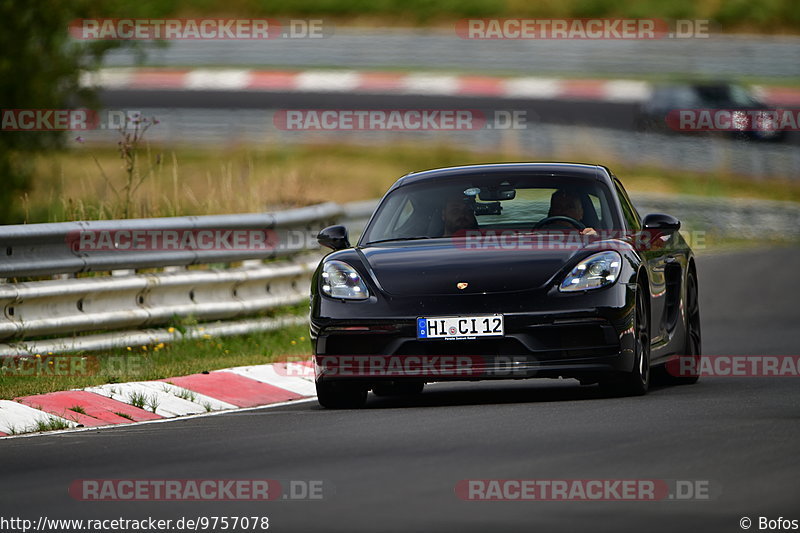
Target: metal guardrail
(36, 309)
(109, 294)
(730, 218)
(46, 249)
(126, 305)
(436, 49)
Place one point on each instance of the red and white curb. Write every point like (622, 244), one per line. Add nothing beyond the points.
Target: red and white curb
(143, 401)
(367, 82)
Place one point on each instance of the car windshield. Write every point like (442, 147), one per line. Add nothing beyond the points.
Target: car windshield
(440, 208)
(722, 95)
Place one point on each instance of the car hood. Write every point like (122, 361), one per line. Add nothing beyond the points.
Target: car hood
(435, 268)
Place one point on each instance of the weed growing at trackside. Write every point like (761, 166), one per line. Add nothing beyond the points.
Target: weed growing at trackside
(137, 399)
(51, 424)
(152, 402)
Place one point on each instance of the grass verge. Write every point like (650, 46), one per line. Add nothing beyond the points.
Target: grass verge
(190, 181)
(773, 16)
(161, 361)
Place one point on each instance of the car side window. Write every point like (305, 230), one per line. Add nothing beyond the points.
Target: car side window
(405, 214)
(628, 211)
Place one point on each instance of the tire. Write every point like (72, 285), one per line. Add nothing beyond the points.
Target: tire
(341, 395)
(637, 381)
(642, 124)
(693, 346)
(401, 388)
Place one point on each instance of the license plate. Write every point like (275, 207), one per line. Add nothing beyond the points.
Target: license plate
(459, 327)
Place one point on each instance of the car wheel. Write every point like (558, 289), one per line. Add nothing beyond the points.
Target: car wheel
(341, 395)
(637, 381)
(642, 124)
(402, 388)
(693, 345)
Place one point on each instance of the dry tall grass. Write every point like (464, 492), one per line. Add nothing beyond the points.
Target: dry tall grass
(70, 185)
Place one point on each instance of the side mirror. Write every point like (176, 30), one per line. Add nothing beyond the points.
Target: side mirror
(334, 237)
(661, 222)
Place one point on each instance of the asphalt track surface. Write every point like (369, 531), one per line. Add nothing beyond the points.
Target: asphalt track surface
(393, 466)
(599, 114)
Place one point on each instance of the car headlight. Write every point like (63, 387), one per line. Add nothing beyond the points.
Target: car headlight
(598, 270)
(340, 280)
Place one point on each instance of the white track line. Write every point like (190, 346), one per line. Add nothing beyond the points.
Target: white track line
(224, 80)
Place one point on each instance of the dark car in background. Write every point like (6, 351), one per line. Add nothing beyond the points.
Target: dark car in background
(502, 271)
(665, 100)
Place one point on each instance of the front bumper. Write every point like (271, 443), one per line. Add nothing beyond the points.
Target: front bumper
(584, 344)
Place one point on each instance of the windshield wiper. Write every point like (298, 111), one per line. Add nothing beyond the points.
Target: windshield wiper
(400, 239)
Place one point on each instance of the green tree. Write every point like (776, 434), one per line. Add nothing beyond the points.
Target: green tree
(40, 68)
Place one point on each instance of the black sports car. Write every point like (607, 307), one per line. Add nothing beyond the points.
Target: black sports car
(502, 271)
(659, 112)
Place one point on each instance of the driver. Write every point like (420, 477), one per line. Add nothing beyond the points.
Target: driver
(458, 215)
(566, 204)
